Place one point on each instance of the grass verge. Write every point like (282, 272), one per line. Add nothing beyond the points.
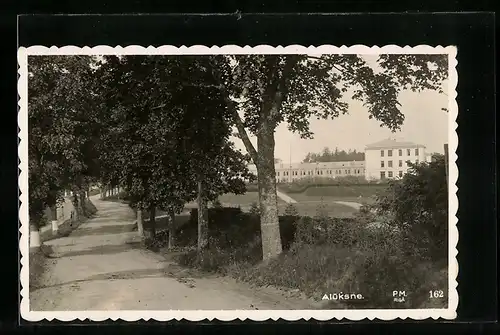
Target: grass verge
(38, 257)
(341, 258)
(37, 260)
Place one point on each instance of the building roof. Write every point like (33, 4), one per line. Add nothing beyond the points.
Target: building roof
(392, 143)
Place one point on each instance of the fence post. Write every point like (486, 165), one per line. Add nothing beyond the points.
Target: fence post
(53, 214)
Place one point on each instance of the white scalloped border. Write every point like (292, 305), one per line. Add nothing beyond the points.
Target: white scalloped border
(229, 315)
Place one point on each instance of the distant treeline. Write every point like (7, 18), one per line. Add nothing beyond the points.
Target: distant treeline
(336, 155)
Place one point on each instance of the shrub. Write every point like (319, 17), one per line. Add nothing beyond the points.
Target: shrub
(219, 260)
(217, 204)
(322, 255)
(418, 205)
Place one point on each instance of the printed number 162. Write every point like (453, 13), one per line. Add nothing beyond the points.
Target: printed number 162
(436, 294)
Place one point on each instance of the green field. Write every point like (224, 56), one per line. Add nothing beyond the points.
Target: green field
(305, 207)
(364, 194)
(308, 202)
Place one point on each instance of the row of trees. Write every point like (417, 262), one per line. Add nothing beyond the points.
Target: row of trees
(336, 155)
(159, 126)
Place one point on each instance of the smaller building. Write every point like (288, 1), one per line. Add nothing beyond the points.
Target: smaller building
(389, 158)
(289, 172)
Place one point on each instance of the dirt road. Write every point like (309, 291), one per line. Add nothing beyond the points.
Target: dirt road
(101, 266)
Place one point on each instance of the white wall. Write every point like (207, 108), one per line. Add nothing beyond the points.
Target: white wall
(373, 161)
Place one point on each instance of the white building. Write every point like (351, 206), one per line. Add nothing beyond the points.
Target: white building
(388, 158)
(290, 172)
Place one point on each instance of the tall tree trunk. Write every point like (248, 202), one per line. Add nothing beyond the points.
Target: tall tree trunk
(82, 203)
(171, 230)
(151, 226)
(269, 222)
(35, 241)
(140, 222)
(76, 209)
(202, 218)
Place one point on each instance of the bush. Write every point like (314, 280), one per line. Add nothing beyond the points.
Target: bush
(217, 204)
(418, 206)
(216, 259)
(230, 227)
(322, 255)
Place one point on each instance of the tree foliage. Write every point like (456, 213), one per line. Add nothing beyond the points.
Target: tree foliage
(159, 125)
(62, 128)
(264, 90)
(328, 155)
(418, 205)
(166, 132)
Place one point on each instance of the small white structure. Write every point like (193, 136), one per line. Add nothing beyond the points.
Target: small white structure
(388, 158)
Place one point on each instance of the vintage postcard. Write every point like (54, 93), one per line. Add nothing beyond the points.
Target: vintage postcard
(166, 183)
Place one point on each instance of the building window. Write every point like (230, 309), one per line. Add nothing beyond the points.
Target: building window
(389, 153)
(400, 152)
(400, 163)
(390, 163)
(390, 174)
(382, 164)
(408, 152)
(416, 152)
(348, 171)
(382, 174)
(381, 153)
(278, 173)
(416, 161)
(401, 173)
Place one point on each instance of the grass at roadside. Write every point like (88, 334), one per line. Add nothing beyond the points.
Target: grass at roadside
(38, 258)
(68, 226)
(37, 265)
(327, 256)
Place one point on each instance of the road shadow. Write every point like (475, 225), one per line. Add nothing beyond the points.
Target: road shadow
(100, 250)
(104, 230)
(181, 274)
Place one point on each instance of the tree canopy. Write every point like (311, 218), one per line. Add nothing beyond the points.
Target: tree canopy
(160, 125)
(337, 155)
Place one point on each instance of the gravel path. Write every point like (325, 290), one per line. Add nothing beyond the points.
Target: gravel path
(101, 266)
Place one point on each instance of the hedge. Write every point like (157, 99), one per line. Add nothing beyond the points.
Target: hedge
(230, 227)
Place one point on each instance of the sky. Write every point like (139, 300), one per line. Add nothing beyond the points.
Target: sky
(425, 123)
